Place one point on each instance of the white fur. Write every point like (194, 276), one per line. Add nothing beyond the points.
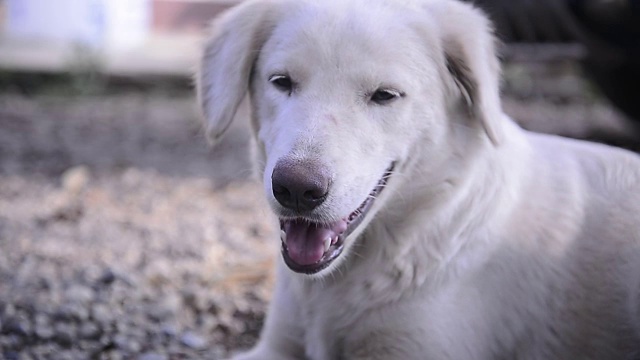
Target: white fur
(489, 242)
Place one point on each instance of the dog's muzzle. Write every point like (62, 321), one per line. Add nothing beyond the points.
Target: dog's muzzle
(309, 247)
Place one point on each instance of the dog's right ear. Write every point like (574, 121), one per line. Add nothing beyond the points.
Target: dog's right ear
(227, 61)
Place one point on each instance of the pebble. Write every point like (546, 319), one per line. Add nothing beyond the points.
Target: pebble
(102, 314)
(44, 331)
(167, 308)
(15, 326)
(73, 311)
(64, 334)
(79, 293)
(169, 329)
(89, 330)
(9, 310)
(153, 356)
(112, 355)
(107, 277)
(208, 322)
(126, 343)
(11, 341)
(10, 355)
(4, 262)
(42, 326)
(193, 340)
(75, 179)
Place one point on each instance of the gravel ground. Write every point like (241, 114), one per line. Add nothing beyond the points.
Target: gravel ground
(123, 236)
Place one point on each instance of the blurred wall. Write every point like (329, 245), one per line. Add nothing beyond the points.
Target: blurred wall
(120, 37)
(98, 23)
(185, 16)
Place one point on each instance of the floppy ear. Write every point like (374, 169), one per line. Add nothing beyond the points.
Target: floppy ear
(470, 55)
(227, 61)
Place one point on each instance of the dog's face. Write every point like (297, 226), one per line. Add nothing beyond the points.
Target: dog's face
(343, 96)
(338, 109)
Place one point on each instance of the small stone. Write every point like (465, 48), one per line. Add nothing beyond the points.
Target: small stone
(217, 352)
(44, 331)
(167, 308)
(126, 343)
(75, 179)
(208, 322)
(16, 326)
(129, 279)
(90, 346)
(199, 301)
(64, 334)
(89, 330)
(194, 341)
(11, 342)
(72, 311)
(122, 325)
(169, 330)
(107, 277)
(159, 273)
(25, 356)
(66, 355)
(112, 355)
(79, 294)
(4, 263)
(9, 310)
(10, 355)
(153, 356)
(102, 314)
(41, 319)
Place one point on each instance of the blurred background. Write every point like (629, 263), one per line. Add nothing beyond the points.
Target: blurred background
(123, 235)
(126, 37)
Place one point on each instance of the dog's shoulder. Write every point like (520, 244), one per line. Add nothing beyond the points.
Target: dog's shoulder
(606, 169)
(613, 173)
(576, 189)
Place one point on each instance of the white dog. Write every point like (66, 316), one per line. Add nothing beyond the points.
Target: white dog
(418, 221)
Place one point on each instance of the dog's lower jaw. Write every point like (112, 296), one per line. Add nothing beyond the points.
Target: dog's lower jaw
(309, 248)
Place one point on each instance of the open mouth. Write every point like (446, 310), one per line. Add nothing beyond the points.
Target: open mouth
(309, 247)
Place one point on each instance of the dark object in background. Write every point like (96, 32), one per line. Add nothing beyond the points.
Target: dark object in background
(609, 29)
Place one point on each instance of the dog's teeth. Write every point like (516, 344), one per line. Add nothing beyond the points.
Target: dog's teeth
(283, 235)
(334, 240)
(327, 244)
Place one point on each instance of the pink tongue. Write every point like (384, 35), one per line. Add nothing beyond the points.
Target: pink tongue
(305, 241)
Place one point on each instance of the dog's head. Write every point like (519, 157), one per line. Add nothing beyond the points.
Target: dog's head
(345, 96)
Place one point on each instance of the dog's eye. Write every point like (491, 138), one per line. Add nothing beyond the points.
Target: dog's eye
(282, 82)
(385, 96)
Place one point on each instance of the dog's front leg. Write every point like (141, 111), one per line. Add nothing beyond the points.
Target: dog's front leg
(282, 335)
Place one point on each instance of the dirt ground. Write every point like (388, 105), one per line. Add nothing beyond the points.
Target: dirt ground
(124, 236)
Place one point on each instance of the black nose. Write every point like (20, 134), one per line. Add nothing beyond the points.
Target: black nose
(299, 185)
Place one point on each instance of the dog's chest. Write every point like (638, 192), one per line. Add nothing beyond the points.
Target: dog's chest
(325, 319)
(328, 313)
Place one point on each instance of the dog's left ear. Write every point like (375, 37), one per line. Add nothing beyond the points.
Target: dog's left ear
(470, 55)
